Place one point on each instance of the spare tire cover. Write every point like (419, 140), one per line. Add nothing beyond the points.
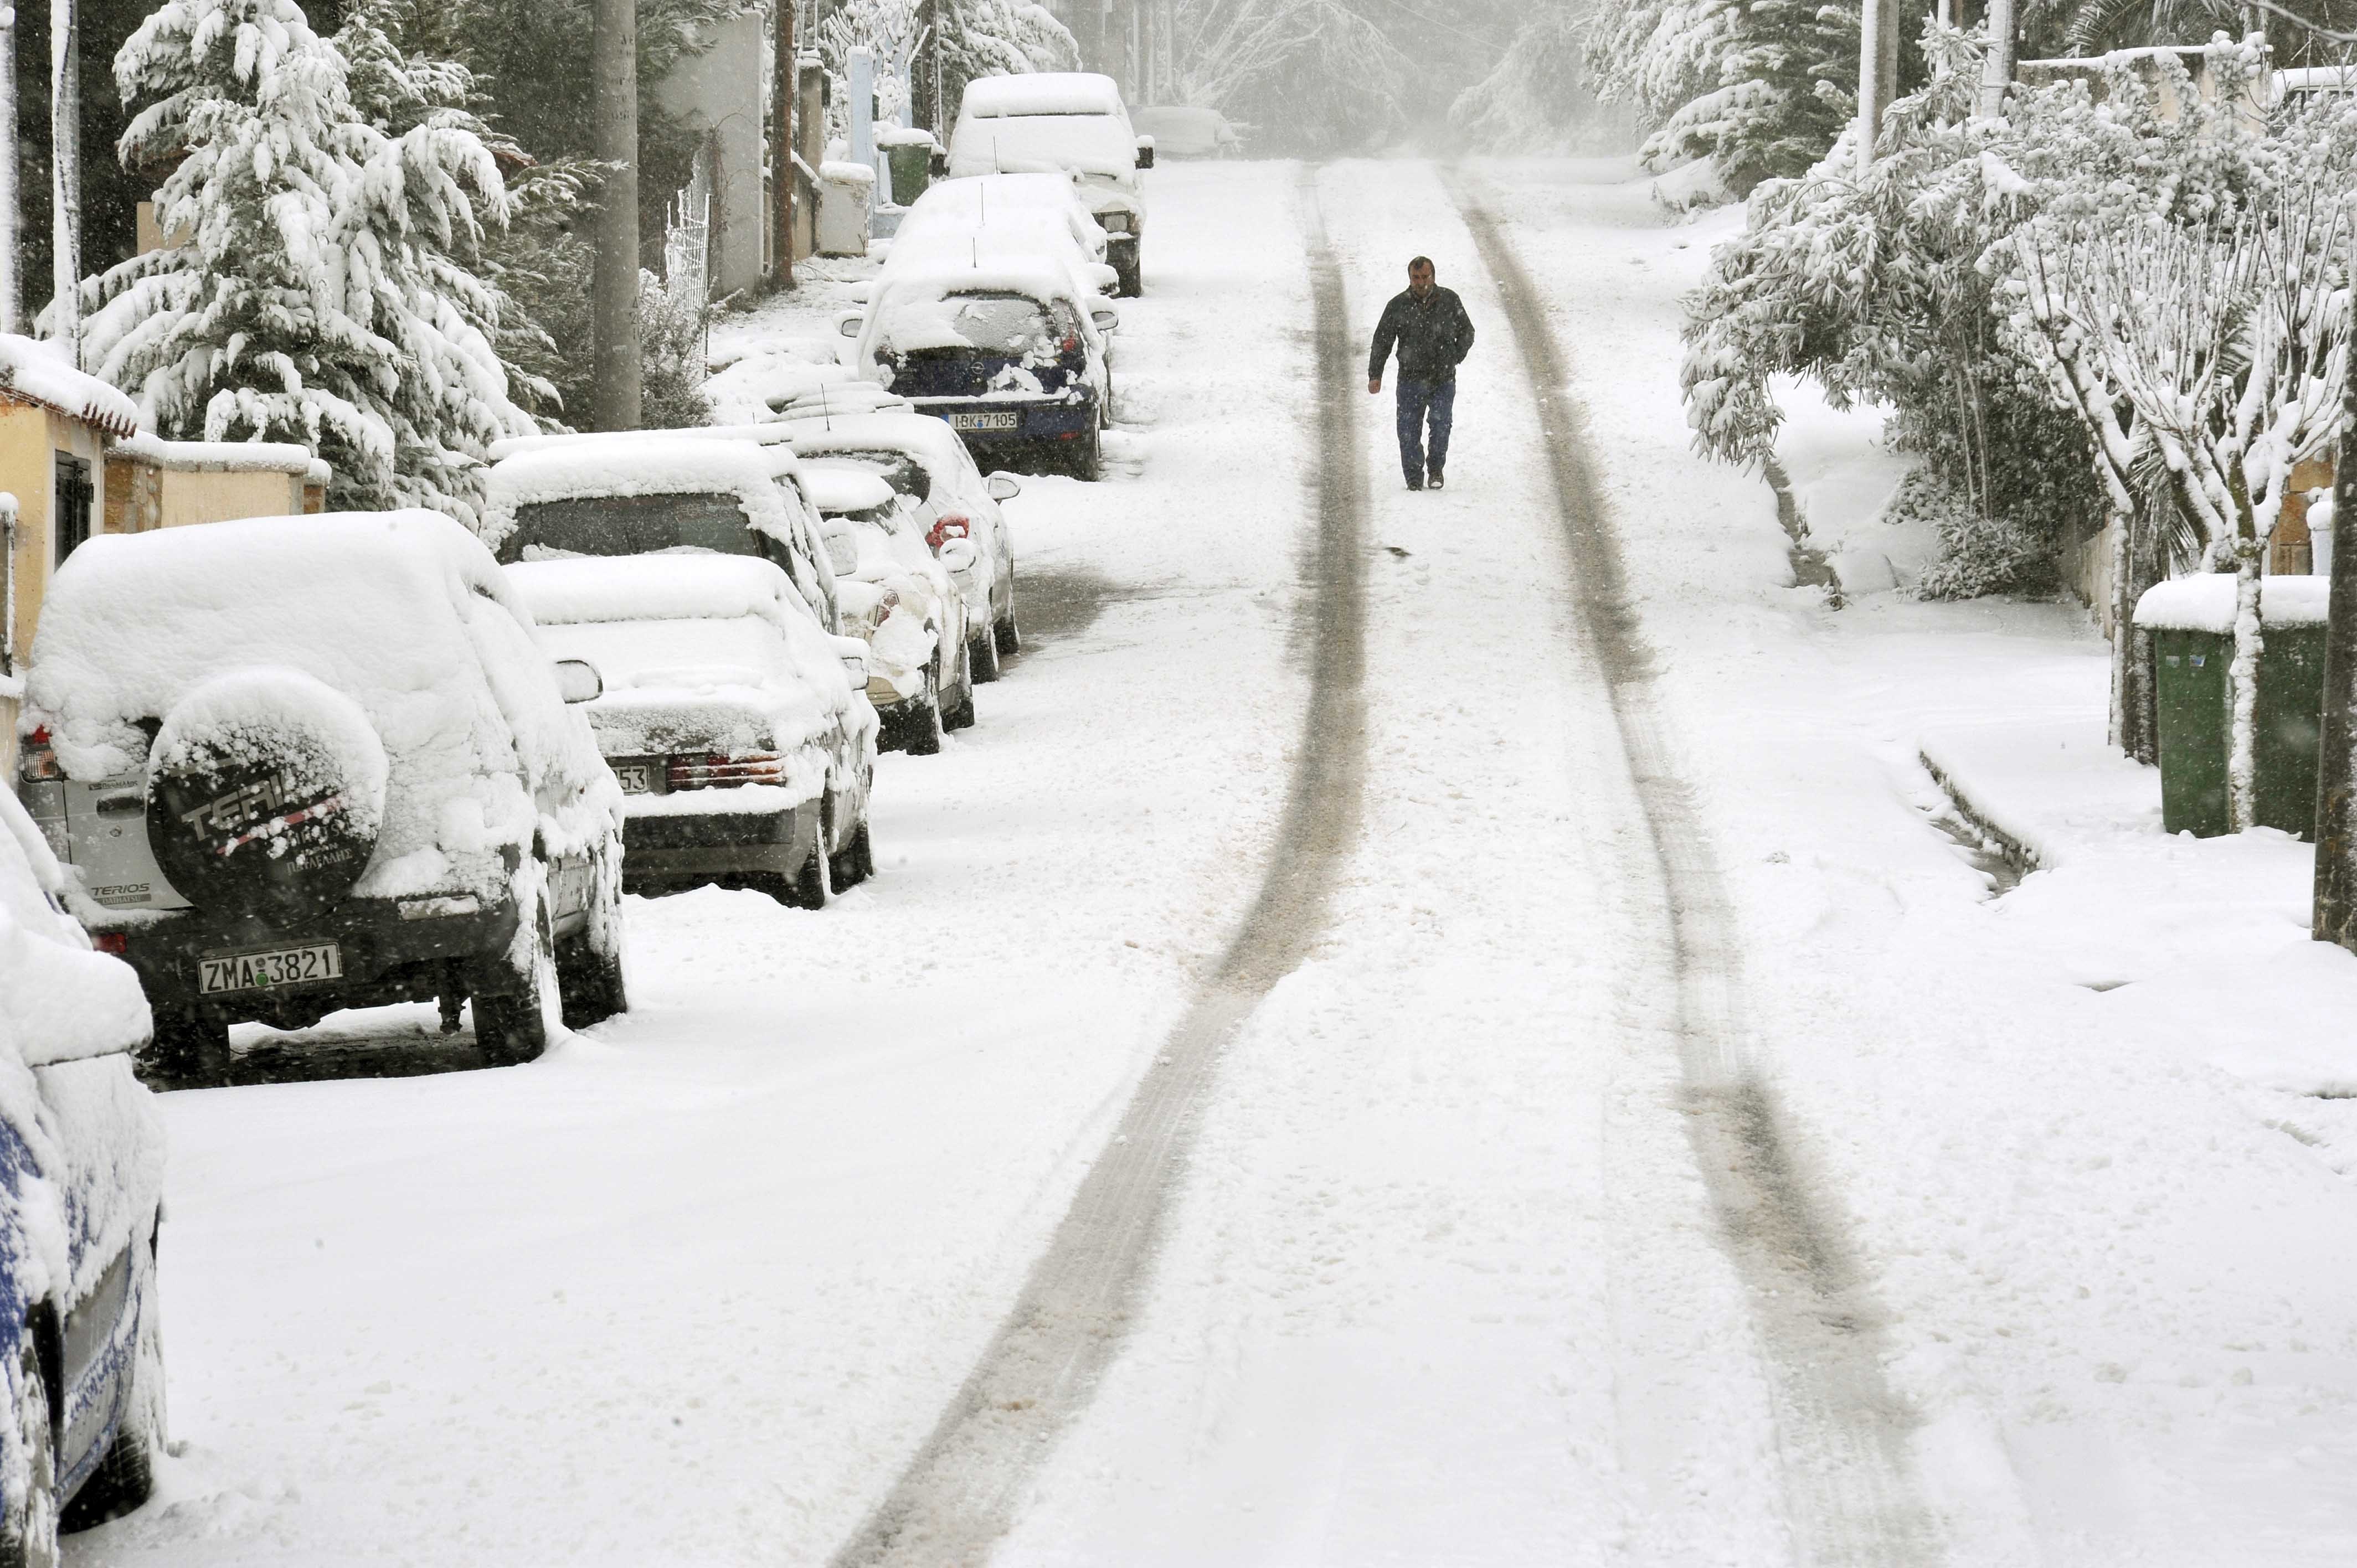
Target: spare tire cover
(266, 789)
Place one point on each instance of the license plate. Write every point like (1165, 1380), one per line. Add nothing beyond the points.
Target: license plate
(635, 777)
(310, 964)
(986, 421)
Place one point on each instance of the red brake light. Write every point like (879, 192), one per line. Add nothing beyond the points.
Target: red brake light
(38, 762)
(116, 942)
(948, 528)
(710, 770)
(1072, 344)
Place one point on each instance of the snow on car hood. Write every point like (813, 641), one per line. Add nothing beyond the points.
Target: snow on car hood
(405, 613)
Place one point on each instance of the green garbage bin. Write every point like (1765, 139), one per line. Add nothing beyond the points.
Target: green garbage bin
(2191, 620)
(912, 170)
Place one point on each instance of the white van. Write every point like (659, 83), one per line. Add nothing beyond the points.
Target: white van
(1063, 120)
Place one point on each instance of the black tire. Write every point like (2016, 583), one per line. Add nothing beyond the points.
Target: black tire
(924, 720)
(813, 886)
(187, 1047)
(1088, 457)
(125, 1477)
(1130, 280)
(856, 862)
(1009, 633)
(982, 657)
(959, 714)
(29, 1539)
(589, 983)
(512, 1004)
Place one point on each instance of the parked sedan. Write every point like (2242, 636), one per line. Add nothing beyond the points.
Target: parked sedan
(738, 730)
(908, 604)
(1007, 352)
(926, 462)
(81, 1177)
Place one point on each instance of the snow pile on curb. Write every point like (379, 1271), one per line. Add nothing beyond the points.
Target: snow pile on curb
(2205, 602)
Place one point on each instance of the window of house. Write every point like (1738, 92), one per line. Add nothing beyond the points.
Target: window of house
(69, 519)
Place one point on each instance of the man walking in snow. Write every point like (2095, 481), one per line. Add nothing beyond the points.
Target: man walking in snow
(1433, 334)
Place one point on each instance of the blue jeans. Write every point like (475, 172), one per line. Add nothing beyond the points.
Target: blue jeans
(1418, 400)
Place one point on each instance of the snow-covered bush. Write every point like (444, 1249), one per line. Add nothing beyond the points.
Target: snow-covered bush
(1979, 553)
(671, 356)
(325, 295)
(1311, 75)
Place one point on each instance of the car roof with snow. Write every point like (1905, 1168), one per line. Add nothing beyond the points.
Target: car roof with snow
(1087, 144)
(643, 465)
(947, 273)
(1042, 92)
(516, 445)
(835, 488)
(928, 439)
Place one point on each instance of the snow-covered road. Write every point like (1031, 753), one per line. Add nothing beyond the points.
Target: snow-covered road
(1450, 1270)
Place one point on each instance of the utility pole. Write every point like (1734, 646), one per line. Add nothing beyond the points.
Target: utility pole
(12, 285)
(784, 187)
(1997, 71)
(614, 285)
(1878, 71)
(2334, 915)
(65, 176)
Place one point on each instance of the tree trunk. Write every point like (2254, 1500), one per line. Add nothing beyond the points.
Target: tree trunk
(783, 89)
(12, 281)
(2334, 915)
(614, 286)
(1997, 71)
(65, 179)
(1878, 71)
(2136, 566)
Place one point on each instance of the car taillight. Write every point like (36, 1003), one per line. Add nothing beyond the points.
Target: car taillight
(116, 942)
(710, 770)
(948, 528)
(38, 763)
(1072, 344)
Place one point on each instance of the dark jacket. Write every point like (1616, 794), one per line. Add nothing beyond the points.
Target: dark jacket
(1434, 336)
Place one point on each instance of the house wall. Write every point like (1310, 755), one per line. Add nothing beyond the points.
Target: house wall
(719, 91)
(203, 496)
(29, 436)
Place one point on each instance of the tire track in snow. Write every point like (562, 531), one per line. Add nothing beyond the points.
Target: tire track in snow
(959, 1493)
(1841, 1436)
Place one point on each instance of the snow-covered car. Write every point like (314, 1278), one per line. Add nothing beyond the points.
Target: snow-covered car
(924, 461)
(1183, 131)
(972, 222)
(839, 399)
(739, 731)
(908, 604)
(728, 488)
(1045, 121)
(308, 763)
(1010, 353)
(82, 1194)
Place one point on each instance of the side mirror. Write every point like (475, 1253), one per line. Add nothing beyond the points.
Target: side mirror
(1145, 152)
(849, 323)
(854, 654)
(577, 682)
(957, 554)
(1002, 487)
(1106, 319)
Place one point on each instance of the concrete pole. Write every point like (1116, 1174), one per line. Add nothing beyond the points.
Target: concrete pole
(783, 186)
(65, 176)
(614, 286)
(860, 74)
(12, 261)
(1996, 71)
(1878, 71)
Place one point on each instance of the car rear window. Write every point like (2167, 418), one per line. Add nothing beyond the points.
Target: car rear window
(1013, 326)
(631, 525)
(897, 469)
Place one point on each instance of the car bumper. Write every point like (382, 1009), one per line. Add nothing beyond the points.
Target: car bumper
(385, 955)
(662, 851)
(1048, 419)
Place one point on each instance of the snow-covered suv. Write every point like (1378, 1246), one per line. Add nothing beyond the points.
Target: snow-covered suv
(308, 763)
(81, 1195)
(1069, 121)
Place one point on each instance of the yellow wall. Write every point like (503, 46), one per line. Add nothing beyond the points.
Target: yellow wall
(29, 433)
(208, 497)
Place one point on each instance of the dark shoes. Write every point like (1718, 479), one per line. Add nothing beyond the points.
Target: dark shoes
(1416, 484)
(1433, 481)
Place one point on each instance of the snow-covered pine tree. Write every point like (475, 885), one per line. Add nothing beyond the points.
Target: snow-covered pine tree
(1539, 96)
(1787, 85)
(324, 295)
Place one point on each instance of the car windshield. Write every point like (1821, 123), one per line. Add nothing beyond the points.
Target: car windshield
(631, 525)
(897, 469)
(1010, 325)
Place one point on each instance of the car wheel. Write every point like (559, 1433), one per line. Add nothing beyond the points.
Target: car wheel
(126, 1476)
(1088, 457)
(959, 714)
(187, 1047)
(982, 657)
(1130, 280)
(1008, 632)
(814, 883)
(589, 984)
(30, 1537)
(925, 721)
(515, 1006)
(857, 864)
